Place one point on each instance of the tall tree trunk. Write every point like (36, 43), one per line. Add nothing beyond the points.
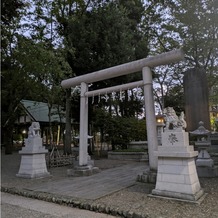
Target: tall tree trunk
(67, 139)
(8, 126)
(8, 139)
(50, 126)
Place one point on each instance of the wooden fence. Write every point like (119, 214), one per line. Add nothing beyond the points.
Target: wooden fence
(57, 159)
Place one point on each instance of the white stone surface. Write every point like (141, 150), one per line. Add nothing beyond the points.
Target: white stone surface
(172, 121)
(175, 138)
(177, 175)
(122, 87)
(150, 118)
(33, 164)
(83, 136)
(33, 145)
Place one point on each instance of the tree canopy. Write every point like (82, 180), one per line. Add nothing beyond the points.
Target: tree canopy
(191, 25)
(46, 41)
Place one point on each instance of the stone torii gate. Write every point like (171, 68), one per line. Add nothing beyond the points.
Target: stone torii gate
(143, 65)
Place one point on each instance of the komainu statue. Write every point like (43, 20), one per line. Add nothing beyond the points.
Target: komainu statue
(34, 130)
(172, 120)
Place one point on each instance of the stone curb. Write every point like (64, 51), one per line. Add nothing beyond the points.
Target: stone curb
(70, 202)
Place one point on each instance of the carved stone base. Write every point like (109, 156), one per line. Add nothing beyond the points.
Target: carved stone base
(33, 166)
(89, 162)
(178, 195)
(177, 175)
(147, 177)
(83, 171)
(207, 172)
(204, 162)
(177, 178)
(204, 159)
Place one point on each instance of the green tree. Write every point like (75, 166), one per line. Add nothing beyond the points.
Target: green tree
(96, 35)
(101, 34)
(198, 28)
(31, 69)
(12, 76)
(165, 80)
(119, 130)
(175, 98)
(191, 25)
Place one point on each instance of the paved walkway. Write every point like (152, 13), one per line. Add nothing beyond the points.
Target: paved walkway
(94, 186)
(121, 175)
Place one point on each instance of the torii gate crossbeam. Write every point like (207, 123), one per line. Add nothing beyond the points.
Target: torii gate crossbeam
(124, 69)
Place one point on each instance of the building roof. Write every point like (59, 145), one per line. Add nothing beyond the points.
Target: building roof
(39, 111)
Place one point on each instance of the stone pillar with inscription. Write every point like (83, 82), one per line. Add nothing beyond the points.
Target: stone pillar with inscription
(177, 176)
(196, 98)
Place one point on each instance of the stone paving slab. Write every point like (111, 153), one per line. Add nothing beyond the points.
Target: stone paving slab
(94, 186)
(115, 175)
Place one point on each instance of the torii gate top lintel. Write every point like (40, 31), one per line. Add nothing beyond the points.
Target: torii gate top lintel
(124, 69)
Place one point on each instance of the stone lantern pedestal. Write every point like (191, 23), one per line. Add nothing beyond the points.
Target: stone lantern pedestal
(33, 164)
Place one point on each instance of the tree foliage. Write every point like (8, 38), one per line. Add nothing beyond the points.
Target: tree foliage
(46, 41)
(101, 34)
(119, 130)
(102, 37)
(12, 74)
(198, 27)
(191, 25)
(31, 69)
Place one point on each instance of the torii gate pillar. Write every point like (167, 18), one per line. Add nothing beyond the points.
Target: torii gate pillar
(83, 138)
(85, 166)
(150, 118)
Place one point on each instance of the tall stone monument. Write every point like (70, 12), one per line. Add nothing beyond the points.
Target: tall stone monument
(33, 164)
(196, 98)
(176, 175)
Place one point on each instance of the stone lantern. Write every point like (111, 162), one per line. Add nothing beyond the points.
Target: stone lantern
(160, 125)
(204, 163)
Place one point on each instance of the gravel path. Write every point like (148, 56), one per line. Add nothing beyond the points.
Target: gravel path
(136, 199)
(132, 201)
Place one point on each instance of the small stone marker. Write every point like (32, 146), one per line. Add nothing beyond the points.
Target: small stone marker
(33, 164)
(177, 176)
